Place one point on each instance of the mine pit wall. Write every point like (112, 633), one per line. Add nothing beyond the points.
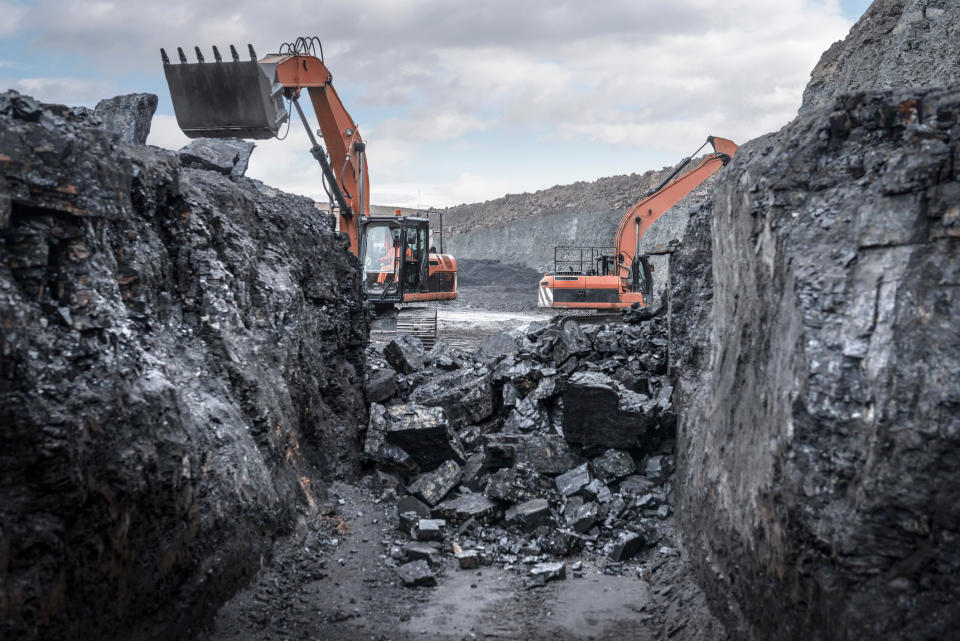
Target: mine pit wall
(181, 366)
(820, 440)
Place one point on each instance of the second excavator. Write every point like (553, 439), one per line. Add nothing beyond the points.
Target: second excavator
(610, 278)
(252, 99)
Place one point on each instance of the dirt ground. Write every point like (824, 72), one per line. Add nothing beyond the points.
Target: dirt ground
(332, 580)
(334, 577)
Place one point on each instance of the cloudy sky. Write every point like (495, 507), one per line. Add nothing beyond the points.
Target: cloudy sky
(461, 100)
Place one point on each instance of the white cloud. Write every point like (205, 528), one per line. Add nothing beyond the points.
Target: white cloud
(431, 125)
(424, 76)
(166, 133)
(465, 187)
(71, 91)
(13, 15)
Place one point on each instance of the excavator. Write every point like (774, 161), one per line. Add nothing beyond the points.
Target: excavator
(617, 277)
(252, 99)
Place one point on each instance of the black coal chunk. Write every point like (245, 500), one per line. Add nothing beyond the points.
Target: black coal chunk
(419, 551)
(468, 559)
(530, 515)
(560, 542)
(636, 485)
(473, 473)
(405, 354)
(431, 487)
(417, 574)
(570, 342)
(129, 116)
(428, 529)
(466, 396)
(228, 156)
(465, 507)
(549, 571)
(424, 433)
(598, 490)
(523, 373)
(612, 465)
(658, 468)
(413, 504)
(599, 411)
(571, 482)
(584, 517)
(514, 484)
(381, 385)
(548, 454)
(627, 545)
(444, 357)
(528, 415)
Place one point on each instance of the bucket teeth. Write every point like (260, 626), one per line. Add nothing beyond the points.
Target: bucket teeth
(163, 56)
(241, 99)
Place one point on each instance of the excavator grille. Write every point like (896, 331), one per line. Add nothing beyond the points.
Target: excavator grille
(237, 99)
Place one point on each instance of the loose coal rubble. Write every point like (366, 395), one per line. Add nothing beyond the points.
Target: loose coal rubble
(560, 443)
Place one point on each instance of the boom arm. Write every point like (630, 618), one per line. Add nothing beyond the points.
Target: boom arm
(642, 215)
(244, 99)
(340, 135)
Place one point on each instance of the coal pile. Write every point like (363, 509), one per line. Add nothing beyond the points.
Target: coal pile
(558, 444)
(480, 272)
(181, 358)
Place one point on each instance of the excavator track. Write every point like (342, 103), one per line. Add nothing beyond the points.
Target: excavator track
(420, 322)
(415, 321)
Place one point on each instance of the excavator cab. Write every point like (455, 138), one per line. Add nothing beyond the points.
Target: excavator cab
(395, 257)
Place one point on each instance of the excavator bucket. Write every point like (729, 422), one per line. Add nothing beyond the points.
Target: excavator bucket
(236, 99)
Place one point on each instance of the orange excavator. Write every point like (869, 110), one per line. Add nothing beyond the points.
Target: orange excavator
(617, 277)
(252, 99)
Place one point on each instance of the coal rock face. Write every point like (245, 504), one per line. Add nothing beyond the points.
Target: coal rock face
(819, 447)
(229, 156)
(181, 367)
(896, 43)
(129, 116)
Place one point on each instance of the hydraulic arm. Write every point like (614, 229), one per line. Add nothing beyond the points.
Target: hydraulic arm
(245, 99)
(619, 276)
(254, 98)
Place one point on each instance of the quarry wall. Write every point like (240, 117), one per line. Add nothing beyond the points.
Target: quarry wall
(181, 368)
(814, 339)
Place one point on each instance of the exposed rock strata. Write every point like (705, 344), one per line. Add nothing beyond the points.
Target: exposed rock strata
(819, 453)
(129, 116)
(180, 356)
(896, 43)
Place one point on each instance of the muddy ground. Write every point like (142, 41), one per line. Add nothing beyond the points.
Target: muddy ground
(335, 578)
(332, 580)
